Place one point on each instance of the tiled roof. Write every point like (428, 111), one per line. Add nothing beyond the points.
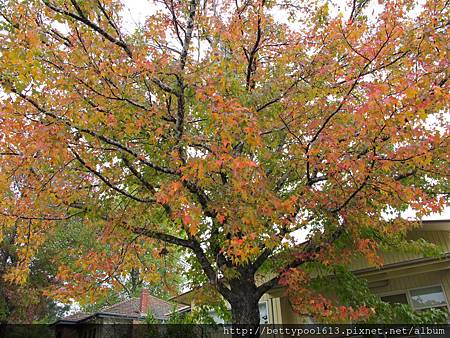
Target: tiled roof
(158, 307)
(76, 317)
(130, 309)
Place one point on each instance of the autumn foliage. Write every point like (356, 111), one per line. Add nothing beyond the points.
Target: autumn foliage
(221, 127)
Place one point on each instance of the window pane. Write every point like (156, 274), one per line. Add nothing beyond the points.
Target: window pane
(428, 297)
(263, 315)
(215, 317)
(396, 299)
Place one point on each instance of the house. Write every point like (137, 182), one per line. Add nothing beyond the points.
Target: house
(404, 278)
(131, 311)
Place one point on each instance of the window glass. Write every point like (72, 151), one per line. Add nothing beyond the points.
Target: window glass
(399, 298)
(263, 315)
(215, 317)
(428, 297)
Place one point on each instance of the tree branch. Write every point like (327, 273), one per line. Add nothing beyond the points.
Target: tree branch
(307, 256)
(81, 17)
(251, 67)
(163, 237)
(96, 135)
(188, 35)
(107, 181)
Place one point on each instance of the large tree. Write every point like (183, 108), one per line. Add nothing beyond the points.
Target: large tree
(223, 127)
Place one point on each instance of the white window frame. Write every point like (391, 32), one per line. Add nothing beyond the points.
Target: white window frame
(407, 292)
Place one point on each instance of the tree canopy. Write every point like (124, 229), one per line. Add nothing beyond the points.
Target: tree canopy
(223, 128)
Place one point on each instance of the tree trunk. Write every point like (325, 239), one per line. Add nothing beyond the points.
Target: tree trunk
(245, 309)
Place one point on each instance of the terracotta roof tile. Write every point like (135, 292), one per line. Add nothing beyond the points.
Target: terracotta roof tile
(76, 317)
(130, 308)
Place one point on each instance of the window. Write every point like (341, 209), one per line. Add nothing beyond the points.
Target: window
(263, 315)
(426, 298)
(215, 317)
(399, 298)
(421, 298)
